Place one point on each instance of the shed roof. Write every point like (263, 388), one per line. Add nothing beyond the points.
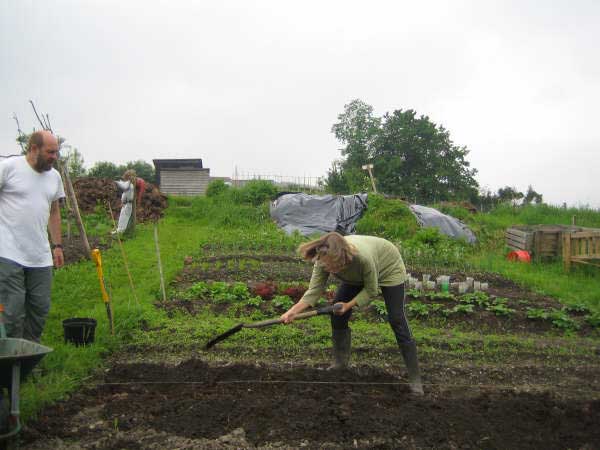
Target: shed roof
(177, 163)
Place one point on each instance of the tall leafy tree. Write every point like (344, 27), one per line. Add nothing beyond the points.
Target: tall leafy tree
(532, 196)
(357, 129)
(105, 169)
(412, 156)
(509, 194)
(416, 158)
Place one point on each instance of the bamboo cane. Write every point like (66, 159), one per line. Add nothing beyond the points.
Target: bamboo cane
(123, 254)
(160, 269)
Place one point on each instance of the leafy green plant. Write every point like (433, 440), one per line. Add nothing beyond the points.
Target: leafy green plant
(380, 309)
(254, 301)
(537, 314)
(577, 308)
(240, 290)
(458, 309)
(220, 292)
(418, 309)
(593, 319)
(561, 319)
(282, 302)
(436, 307)
(197, 290)
(475, 298)
(440, 295)
(500, 309)
(414, 293)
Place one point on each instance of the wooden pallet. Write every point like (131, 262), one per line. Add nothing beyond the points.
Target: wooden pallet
(581, 247)
(541, 241)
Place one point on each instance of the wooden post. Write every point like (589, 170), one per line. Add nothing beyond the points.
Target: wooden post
(73, 199)
(566, 251)
(67, 201)
(369, 168)
(160, 270)
(537, 245)
(573, 220)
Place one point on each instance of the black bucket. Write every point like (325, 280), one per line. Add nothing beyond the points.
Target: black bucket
(79, 331)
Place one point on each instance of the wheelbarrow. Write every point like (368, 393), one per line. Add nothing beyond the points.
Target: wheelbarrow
(18, 357)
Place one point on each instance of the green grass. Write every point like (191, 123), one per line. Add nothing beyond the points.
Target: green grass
(239, 222)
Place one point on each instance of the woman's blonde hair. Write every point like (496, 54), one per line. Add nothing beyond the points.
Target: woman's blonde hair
(129, 174)
(331, 249)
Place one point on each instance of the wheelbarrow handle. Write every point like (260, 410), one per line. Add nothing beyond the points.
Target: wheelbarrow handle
(315, 312)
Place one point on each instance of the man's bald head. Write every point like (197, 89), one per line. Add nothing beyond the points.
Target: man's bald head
(42, 150)
(39, 138)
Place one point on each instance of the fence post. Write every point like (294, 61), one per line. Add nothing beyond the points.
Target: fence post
(567, 251)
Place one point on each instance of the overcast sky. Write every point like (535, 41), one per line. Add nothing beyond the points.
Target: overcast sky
(257, 85)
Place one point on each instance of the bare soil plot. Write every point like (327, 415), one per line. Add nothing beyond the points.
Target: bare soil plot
(194, 405)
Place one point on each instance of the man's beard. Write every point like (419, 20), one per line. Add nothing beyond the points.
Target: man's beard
(42, 165)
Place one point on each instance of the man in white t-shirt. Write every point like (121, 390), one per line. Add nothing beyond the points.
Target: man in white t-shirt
(30, 189)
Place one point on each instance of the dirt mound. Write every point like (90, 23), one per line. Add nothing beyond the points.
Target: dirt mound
(94, 192)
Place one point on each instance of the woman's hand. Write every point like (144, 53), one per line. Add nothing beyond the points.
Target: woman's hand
(343, 308)
(288, 317)
(290, 314)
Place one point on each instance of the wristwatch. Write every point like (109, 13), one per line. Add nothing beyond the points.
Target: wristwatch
(53, 246)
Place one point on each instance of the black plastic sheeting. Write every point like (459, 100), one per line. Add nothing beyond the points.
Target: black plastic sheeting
(448, 225)
(310, 214)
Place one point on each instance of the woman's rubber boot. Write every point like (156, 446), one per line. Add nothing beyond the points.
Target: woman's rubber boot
(341, 349)
(409, 354)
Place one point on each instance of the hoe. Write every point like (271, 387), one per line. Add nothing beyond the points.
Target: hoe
(266, 323)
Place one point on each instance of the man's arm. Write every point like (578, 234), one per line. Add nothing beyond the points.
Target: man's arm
(54, 226)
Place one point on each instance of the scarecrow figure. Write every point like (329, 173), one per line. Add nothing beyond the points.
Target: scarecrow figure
(127, 216)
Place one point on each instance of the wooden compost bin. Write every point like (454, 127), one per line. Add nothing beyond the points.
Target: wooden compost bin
(541, 241)
(581, 247)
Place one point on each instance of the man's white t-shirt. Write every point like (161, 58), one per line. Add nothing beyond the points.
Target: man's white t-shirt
(25, 199)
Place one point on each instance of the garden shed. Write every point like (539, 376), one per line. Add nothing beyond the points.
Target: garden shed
(184, 177)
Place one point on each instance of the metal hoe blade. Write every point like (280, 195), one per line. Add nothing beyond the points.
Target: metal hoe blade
(224, 336)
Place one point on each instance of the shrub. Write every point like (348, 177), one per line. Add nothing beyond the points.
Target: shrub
(255, 192)
(387, 218)
(216, 188)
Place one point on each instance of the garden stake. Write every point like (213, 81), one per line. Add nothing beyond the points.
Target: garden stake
(105, 298)
(123, 254)
(160, 270)
(329, 309)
